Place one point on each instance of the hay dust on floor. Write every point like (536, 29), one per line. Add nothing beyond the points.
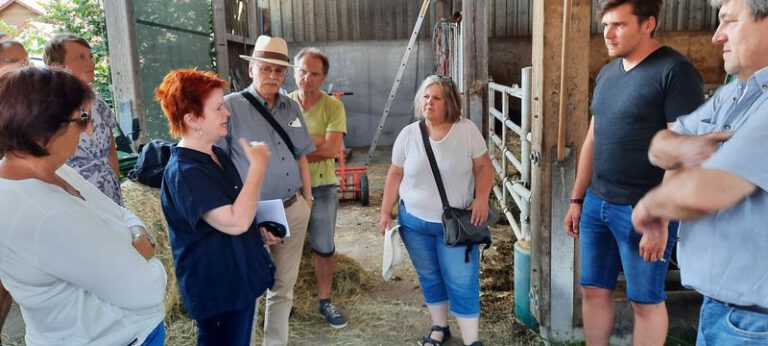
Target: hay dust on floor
(379, 312)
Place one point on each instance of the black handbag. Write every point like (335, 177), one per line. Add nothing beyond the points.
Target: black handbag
(458, 229)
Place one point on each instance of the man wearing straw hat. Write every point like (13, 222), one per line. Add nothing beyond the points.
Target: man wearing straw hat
(637, 94)
(261, 113)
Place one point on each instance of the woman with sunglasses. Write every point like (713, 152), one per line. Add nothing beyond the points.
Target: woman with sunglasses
(80, 267)
(448, 282)
(222, 265)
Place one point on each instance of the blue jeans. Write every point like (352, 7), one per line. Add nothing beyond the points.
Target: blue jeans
(721, 324)
(156, 337)
(607, 241)
(231, 328)
(443, 274)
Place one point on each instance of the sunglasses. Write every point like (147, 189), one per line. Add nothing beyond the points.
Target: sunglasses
(444, 78)
(82, 121)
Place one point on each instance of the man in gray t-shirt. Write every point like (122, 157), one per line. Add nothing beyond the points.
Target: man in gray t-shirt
(645, 88)
(718, 186)
(287, 176)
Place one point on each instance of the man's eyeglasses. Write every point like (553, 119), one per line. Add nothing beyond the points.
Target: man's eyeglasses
(306, 74)
(269, 70)
(14, 61)
(82, 121)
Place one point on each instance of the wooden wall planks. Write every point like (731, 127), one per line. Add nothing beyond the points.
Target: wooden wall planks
(344, 20)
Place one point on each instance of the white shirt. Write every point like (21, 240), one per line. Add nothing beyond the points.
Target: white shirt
(70, 265)
(454, 154)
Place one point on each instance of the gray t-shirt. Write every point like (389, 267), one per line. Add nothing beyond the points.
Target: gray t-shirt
(629, 108)
(282, 179)
(723, 255)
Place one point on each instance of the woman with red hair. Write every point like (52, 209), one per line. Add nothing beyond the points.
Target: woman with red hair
(221, 263)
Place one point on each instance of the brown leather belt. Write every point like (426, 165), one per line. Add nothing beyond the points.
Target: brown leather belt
(290, 201)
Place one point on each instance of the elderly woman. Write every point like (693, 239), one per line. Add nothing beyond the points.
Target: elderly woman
(79, 265)
(221, 263)
(447, 281)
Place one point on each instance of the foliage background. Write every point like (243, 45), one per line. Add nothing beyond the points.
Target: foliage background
(84, 18)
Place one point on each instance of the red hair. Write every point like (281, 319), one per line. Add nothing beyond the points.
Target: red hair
(183, 91)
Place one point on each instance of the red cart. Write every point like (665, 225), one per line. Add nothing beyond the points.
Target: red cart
(353, 180)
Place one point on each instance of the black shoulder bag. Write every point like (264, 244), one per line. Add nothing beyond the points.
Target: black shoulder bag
(271, 120)
(458, 229)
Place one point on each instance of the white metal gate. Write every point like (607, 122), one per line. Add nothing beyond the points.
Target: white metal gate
(513, 187)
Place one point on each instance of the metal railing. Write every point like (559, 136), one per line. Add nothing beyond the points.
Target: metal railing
(514, 187)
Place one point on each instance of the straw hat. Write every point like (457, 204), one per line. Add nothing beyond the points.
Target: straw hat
(392, 254)
(273, 50)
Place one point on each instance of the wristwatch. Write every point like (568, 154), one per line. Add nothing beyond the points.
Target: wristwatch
(309, 198)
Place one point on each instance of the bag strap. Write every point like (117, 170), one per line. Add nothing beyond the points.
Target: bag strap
(270, 119)
(433, 164)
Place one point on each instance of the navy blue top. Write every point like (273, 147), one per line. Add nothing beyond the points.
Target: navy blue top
(216, 272)
(630, 107)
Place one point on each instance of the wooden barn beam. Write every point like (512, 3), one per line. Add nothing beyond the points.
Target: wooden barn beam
(556, 302)
(220, 38)
(124, 61)
(475, 39)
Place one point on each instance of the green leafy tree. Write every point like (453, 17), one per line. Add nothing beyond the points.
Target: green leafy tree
(31, 36)
(84, 18)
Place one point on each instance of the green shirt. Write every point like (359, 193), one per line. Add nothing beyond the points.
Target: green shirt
(327, 115)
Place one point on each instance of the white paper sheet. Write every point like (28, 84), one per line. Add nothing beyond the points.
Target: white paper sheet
(272, 210)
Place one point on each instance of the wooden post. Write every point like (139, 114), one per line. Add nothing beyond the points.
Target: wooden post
(474, 28)
(124, 57)
(220, 37)
(553, 270)
(443, 9)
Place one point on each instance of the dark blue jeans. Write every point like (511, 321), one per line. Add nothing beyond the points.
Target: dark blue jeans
(231, 328)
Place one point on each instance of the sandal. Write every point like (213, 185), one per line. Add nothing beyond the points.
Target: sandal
(427, 340)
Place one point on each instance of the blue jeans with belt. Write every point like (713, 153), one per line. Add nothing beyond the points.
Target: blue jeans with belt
(443, 275)
(722, 324)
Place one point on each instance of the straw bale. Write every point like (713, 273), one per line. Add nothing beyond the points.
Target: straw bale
(144, 201)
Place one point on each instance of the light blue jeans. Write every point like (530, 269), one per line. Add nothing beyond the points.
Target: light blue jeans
(443, 274)
(721, 324)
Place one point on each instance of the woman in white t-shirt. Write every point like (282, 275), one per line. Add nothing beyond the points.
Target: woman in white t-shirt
(80, 266)
(447, 281)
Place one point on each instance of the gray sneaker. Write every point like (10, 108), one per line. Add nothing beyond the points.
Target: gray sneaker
(334, 318)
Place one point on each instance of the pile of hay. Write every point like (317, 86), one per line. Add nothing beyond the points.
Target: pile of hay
(496, 276)
(144, 201)
(350, 280)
